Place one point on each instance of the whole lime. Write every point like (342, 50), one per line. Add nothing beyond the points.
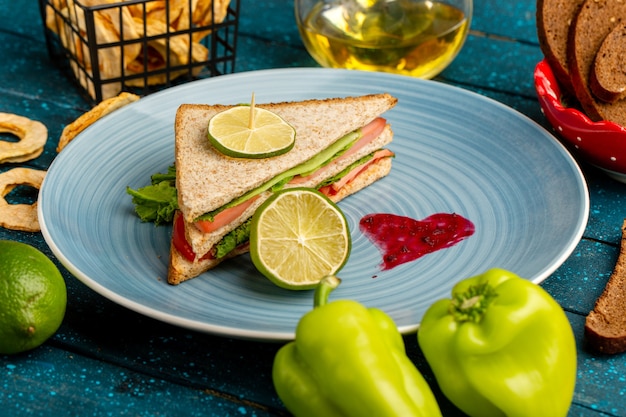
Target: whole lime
(33, 297)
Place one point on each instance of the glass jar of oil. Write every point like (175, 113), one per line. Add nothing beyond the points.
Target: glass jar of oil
(411, 37)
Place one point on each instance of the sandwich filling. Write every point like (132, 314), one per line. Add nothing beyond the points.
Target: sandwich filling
(342, 149)
(240, 235)
(329, 171)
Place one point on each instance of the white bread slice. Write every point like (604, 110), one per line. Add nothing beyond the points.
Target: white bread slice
(206, 179)
(180, 269)
(201, 242)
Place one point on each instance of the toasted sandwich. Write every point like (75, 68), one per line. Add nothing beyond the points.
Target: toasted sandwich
(339, 150)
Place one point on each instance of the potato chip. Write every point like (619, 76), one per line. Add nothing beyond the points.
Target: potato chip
(87, 119)
(120, 22)
(142, 53)
(74, 39)
(203, 15)
(158, 10)
(32, 137)
(158, 49)
(19, 216)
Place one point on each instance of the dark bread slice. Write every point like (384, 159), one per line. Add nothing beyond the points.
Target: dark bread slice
(608, 77)
(605, 326)
(594, 22)
(554, 18)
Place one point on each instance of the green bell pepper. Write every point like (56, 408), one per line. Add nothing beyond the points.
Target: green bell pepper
(349, 360)
(502, 346)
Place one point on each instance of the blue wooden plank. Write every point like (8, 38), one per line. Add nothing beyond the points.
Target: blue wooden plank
(509, 19)
(241, 369)
(149, 362)
(273, 22)
(581, 279)
(29, 73)
(49, 381)
(256, 54)
(608, 206)
(53, 114)
(495, 64)
(600, 385)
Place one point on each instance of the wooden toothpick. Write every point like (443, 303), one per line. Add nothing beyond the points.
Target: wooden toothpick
(251, 121)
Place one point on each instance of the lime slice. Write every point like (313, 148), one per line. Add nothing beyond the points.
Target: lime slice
(297, 237)
(250, 132)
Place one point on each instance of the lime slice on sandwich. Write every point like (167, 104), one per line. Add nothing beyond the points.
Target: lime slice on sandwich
(250, 132)
(297, 237)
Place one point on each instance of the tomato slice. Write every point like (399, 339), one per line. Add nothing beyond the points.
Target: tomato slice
(224, 217)
(327, 190)
(180, 241)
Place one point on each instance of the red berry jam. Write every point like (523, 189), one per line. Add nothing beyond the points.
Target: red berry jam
(402, 239)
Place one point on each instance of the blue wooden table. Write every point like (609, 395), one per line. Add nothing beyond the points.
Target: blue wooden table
(108, 361)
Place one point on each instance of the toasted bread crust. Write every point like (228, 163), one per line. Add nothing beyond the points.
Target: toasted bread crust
(372, 173)
(180, 269)
(605, 325)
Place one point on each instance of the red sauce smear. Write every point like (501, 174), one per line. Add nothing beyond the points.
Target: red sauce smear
(403, 239)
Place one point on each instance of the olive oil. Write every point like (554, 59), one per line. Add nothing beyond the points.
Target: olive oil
(402, 36)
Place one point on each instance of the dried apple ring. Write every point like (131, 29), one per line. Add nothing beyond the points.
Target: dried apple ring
(32, 138)
(87, 119)
(19, 216)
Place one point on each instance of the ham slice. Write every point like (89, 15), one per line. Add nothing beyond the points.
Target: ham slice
(334, 188)
(369, 133)
(224, 217)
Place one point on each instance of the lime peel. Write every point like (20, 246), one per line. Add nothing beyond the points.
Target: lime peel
(33, 294)
(297, 237)
(250, 132)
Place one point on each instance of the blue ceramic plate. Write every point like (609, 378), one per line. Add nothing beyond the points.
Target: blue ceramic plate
(456, 152)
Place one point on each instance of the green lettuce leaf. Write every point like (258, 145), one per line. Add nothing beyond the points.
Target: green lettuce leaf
(238, 236)
(156, 202)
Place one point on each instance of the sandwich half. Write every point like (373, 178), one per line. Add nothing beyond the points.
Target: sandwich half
(339, 150)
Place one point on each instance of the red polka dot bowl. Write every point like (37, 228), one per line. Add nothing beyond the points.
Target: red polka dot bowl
(602, 143)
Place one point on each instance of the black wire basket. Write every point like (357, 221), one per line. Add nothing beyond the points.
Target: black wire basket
(140, 46)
